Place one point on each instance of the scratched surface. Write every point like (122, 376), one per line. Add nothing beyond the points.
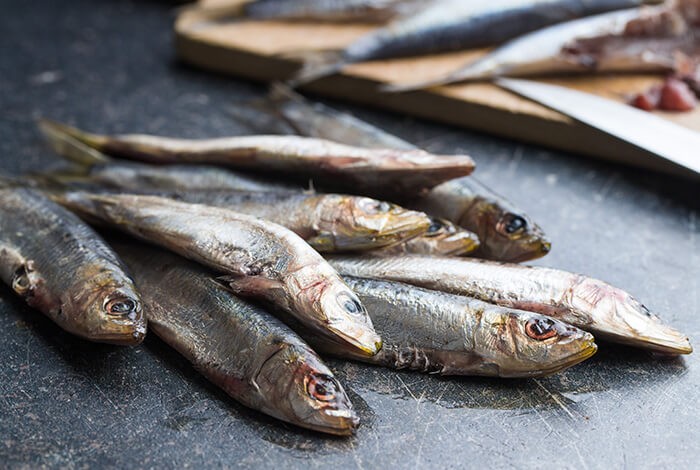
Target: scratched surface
(64, 402)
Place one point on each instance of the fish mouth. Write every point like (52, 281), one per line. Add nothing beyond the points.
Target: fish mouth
(461, 244)
(127, 336)
(588, 349)
(666, 341)
(336, 422)
(401, 228)
(368, 343)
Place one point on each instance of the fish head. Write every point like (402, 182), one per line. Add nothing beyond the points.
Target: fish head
(106, 308)
(351, 223)
(444, 238)
(334, 310)
(621, 318)
(310, 397)
(525, 344)
(507, 234)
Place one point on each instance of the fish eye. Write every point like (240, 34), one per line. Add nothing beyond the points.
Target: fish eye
(121, 306)
(349, 304)
(322, 387)
(375, 207)
(515, 224)
(435, 226)
(540, 328)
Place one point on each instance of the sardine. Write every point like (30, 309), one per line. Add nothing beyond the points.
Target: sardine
(257, 258)
(436, 332)
(61, 267)
(442, 238)
(450, 25)
(328, 222)
(252, 356)
(383, 171)
(506, 233)
(649, 39)
(586, 303)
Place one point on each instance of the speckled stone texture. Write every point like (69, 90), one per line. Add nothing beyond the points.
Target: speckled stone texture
(109, 66)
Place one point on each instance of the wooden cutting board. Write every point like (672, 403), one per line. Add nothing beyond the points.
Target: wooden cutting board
(264, 50)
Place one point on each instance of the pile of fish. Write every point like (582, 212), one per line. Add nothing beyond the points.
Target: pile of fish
(530, 38)
(220, 249)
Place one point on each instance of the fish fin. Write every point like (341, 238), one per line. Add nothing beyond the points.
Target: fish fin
(54, 181)
(73, 144)
(311, 190)
(315, 65)
(249, 285)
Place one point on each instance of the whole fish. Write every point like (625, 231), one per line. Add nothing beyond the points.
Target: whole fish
(442, 238)
(646, 39)
(449, 25)
(383, 171)
(506, 233)
(258, 258)
(93, 168)
(587, 303)
(252, 356)
(436, 332)
(327, 222)
(61, 267)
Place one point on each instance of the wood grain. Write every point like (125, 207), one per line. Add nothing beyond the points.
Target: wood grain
(270, 50)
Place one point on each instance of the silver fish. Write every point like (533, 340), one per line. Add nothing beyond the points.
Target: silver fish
(640, 39)
(383, 171)
(450, 25)
(61, 267)
(436, 332)
(328, 222)
(587, 303)
(258, 258)
(252, 356)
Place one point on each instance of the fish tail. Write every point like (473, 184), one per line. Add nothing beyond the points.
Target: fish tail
(73, 144)
(315, 65)
(56, 180)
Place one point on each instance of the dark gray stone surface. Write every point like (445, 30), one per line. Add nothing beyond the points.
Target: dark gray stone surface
(108, 65)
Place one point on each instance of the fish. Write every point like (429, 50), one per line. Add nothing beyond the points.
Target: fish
(257, 258)
(382, 171)
(64, 269)
(91, 168)
(442, 238)
(649, 39)
(505, 232)
(451, 25)
(328, 222)
(590, 304)
(254, 357)
(446, 334)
